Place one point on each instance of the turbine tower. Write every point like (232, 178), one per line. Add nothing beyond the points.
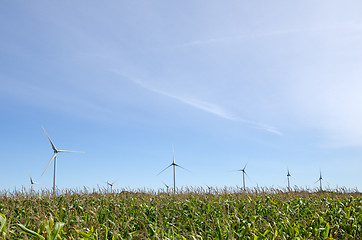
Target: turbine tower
(56, 151)
(244, 173)
(174, 164)
(288, 176)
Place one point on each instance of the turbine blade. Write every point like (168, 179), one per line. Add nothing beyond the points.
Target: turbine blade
(164, 169)
(54, 148)
(288, 173)
(165, 184)
(54, 155)
(245, 165)
(316, 181)
(70, 151)
(182, 167)
(249, 178)
(31, 180)
(115, 181)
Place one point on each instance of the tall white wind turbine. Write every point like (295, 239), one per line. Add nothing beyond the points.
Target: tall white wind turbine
(244, 173)
(174, 164)
(56, 151)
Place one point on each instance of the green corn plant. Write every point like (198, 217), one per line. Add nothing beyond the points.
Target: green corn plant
(3, 227)
(51, 230)
(29, 232)
(86, 235)
(258, 214)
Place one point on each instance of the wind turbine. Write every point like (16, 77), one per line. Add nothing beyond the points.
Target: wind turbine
(111, 184)
(174, 164)
(320, 180)
(244, 173)
(32, 182)
(209, 187)
(288, 176)
(56, 151)
(167, 186)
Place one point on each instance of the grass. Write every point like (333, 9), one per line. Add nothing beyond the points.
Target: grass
(189, 214)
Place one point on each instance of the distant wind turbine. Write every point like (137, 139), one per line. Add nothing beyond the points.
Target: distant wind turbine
(174, 164)
(56, 151)
(210, 188)
(320, 180)
(111, 184)
(32, 182)
(167, 186)
(244, 173)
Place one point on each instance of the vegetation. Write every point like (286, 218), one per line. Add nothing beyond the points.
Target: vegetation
(188, 214)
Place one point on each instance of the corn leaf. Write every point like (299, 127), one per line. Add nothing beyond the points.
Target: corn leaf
(30, 232)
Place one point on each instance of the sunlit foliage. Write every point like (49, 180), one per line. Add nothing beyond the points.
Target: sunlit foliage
(188, 214)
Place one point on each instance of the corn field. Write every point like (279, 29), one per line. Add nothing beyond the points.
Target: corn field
(188, 214)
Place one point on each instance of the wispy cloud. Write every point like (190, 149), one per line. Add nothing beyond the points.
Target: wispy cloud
(204, 41)
(204, 106)
(235, 38)
(316, 29)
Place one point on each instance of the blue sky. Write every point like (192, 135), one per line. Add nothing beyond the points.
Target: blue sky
(274, 84)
